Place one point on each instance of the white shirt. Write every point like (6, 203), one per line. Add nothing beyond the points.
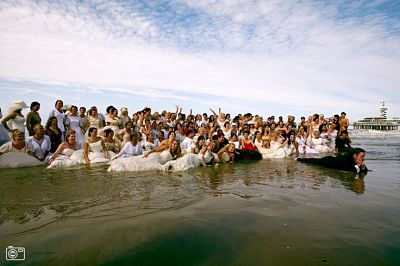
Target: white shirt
(60, 119)
(187, 144)
(8, 147)
(130, 150)
(40, 147)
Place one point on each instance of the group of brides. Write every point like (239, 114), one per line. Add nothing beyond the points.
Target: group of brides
(166, 141)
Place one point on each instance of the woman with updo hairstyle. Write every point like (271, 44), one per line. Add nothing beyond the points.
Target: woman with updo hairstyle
(112, 144)
(94, 149)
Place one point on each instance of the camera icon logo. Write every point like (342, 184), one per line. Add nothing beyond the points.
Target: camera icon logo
(15, 253)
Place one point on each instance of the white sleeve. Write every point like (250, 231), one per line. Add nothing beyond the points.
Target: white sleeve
(5, 147)
(124, 150)
(46, 145)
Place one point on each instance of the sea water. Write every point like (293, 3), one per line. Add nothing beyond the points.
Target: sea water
(270, 212)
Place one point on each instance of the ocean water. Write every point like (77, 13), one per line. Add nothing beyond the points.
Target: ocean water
(270, 212)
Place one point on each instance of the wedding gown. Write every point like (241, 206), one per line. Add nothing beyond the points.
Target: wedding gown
(154, 161)
(275, 151)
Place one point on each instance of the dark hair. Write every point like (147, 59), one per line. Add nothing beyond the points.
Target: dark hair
(74, 106)
(91, 131)
(48, 123)
(108, 131)
(200, 138)
(189, 132)
(33, 104)
(84, 108)
(302, 117)
(289, 142)
(343, 113)
(171, 133)
(58, 101)
(255, 134)
(358, 150)
(109, 108)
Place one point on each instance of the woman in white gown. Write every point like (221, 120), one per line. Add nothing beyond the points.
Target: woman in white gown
(95, 150)
(113, 121)
(15, 120)
(151, 161)
(276, 149)
(291, 147)
(17, 153)
(317, 143)
(66, 154)
(74, 122)
(193, 160)
(301, 138)
(258, 141)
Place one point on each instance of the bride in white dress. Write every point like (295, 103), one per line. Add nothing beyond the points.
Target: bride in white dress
(301, 138)
(259, 144)
(17, 153)
(153, 160)
(192, 160)
(74, 122)
(95, 150)
(317, 143)
(15, 120)
(66, 154)
(276, 149)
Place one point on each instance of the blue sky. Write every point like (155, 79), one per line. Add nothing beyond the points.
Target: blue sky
(264, 57)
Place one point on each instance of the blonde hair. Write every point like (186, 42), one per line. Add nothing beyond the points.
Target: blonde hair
(17, 133)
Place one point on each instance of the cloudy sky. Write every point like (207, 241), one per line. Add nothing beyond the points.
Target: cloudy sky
(265, 57)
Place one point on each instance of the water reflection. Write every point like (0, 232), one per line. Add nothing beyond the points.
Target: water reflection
(35, 196)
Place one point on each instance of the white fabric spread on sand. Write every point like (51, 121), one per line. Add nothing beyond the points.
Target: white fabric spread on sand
(18, 159)
(155, 161)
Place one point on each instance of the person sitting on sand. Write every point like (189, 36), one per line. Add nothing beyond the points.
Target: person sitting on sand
(40, 142)
(17, 144)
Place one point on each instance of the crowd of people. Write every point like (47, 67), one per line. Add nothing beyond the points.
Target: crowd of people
(147, 140)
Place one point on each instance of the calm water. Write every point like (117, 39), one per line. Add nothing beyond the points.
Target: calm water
(271, 212)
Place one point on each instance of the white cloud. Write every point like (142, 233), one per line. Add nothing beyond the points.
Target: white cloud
(296, 55)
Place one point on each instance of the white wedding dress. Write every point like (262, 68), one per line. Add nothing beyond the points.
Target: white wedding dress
(75, 124)
(18, 159)
(66, 159)
(275, 151)
(318, 145)
(303, 147)
(154, 161)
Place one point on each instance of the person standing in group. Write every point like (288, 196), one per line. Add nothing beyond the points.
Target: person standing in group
(84, 119)
(95, 120)
(33, 118)
(15, 120)
(344, 122)
(53, 132)
(124, 117)
(4, 136)
(59, 114)
(74, 122)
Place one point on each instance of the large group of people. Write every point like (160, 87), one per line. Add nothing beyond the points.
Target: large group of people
(149, 140)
